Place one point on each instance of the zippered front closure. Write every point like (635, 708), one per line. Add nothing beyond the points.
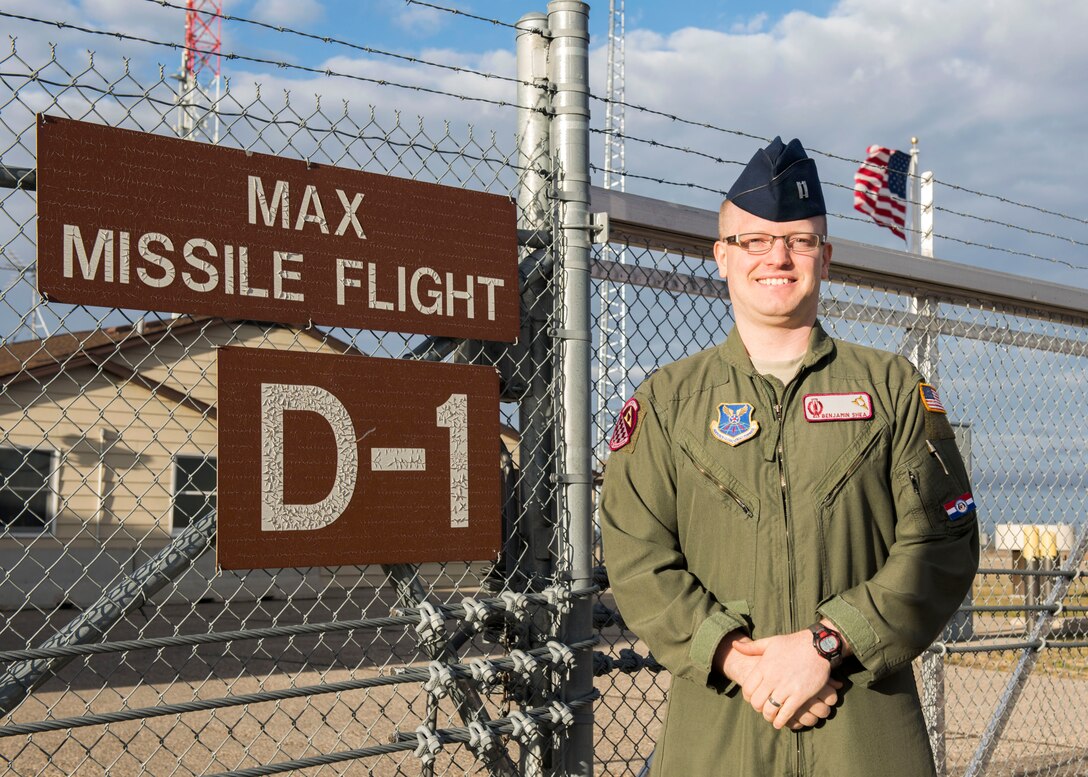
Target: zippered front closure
(780, 456)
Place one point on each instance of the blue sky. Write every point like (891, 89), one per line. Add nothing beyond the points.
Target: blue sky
(962, 75)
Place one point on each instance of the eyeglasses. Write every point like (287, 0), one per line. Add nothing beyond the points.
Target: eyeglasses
(760, 243)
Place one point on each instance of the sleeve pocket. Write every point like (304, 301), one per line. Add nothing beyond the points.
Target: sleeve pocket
(937, 483)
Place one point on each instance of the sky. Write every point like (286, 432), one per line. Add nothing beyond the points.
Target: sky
(966, 77)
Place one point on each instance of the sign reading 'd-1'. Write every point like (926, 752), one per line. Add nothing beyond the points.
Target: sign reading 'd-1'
(327, 460)
(133, 220)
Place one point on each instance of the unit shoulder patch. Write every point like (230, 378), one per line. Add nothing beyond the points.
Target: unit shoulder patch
(734, 423)
(626, 424)
(852, 406)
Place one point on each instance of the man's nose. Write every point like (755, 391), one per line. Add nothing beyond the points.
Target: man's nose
(779, 253)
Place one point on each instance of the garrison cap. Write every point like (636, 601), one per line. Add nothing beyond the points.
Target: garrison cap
(780, 183)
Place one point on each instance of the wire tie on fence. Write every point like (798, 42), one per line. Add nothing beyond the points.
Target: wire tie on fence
(1058, 609)
(482, 740)
(1042, 644)
(440, 682)
(526, 730)
(517, 604)
(561, 715)
(485, 673)
(428, 745)
(476, 613)
(561, 655)
(431, 627)
(559, 597)
(524, 664)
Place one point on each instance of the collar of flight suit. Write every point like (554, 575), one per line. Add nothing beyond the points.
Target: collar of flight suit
(820, 345)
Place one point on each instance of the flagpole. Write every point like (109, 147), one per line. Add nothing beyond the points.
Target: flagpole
(922, 349)
(915, 191)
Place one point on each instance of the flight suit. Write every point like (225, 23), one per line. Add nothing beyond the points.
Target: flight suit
(732, 502)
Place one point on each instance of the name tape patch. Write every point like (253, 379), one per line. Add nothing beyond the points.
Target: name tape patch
(856, 406)
(931, 400)
(625, 425)
(960, 506)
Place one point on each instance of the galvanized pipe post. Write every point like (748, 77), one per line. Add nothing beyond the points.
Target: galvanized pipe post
(530, 540)
(568, 64)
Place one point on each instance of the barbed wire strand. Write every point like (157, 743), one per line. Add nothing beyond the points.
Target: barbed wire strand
(833, 184)
(279, 122)
(340, 42)
(851, 217)
(459, 12)
(828, 154)
(259, 60)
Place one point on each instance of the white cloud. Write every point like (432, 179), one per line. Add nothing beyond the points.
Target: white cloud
(749, 26)
(288, 12)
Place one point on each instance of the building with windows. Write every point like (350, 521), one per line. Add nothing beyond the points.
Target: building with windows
(108, 447)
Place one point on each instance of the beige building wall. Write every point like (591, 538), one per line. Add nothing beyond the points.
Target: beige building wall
(114, 443)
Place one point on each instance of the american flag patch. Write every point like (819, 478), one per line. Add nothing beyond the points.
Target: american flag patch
(960, 507)
(930, 398)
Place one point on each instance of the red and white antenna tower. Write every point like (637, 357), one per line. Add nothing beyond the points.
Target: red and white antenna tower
(200, 79)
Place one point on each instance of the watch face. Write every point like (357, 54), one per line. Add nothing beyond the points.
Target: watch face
(829, 643)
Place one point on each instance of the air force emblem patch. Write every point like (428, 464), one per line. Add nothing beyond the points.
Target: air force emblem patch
(734, 423)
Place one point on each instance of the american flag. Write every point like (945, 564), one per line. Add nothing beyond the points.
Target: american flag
(880, 188)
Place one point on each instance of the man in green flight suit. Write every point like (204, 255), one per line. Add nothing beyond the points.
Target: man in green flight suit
(787, 522)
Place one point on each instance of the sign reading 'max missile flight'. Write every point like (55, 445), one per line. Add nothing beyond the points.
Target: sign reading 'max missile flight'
(328, 460)
(133, 220)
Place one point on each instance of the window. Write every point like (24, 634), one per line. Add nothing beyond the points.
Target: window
(26, 493)
(194, 489)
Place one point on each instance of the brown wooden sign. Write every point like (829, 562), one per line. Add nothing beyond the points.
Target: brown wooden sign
(327, 460)
(133, 220)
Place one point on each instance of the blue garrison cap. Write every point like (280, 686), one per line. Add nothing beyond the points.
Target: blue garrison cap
(780, 184)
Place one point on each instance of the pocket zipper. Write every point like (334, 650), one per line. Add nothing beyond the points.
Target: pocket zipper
(724, 489)
(855, 465)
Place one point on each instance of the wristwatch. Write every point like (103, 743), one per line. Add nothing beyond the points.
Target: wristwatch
(828, 643)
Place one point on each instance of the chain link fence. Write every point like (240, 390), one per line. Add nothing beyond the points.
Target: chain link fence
(1005, 687)
(123, 650)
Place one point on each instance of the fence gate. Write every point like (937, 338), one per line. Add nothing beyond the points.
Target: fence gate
(122, 649)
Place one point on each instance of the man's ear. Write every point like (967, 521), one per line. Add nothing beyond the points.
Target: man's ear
(825, 265)
(719, 257)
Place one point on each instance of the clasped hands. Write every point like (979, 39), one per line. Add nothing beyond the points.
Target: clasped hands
(782, 677)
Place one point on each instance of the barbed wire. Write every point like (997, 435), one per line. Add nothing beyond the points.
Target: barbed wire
(659, 144)
(1016, 227)
(662, 181)
(828, 154)
(340, 42)
(261, 61)
(851, 217)
(836, 185)
(459, 12)
(277, 122)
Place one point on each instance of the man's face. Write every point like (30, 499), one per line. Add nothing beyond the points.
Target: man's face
(779, 288)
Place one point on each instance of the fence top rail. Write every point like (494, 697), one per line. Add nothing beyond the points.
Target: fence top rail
(671, 226)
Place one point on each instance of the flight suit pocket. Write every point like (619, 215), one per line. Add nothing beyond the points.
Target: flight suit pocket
(717, 522)
(852, 529)
(939, 486)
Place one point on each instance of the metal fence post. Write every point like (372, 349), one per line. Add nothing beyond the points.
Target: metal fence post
(568, 23)
(531, 539)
